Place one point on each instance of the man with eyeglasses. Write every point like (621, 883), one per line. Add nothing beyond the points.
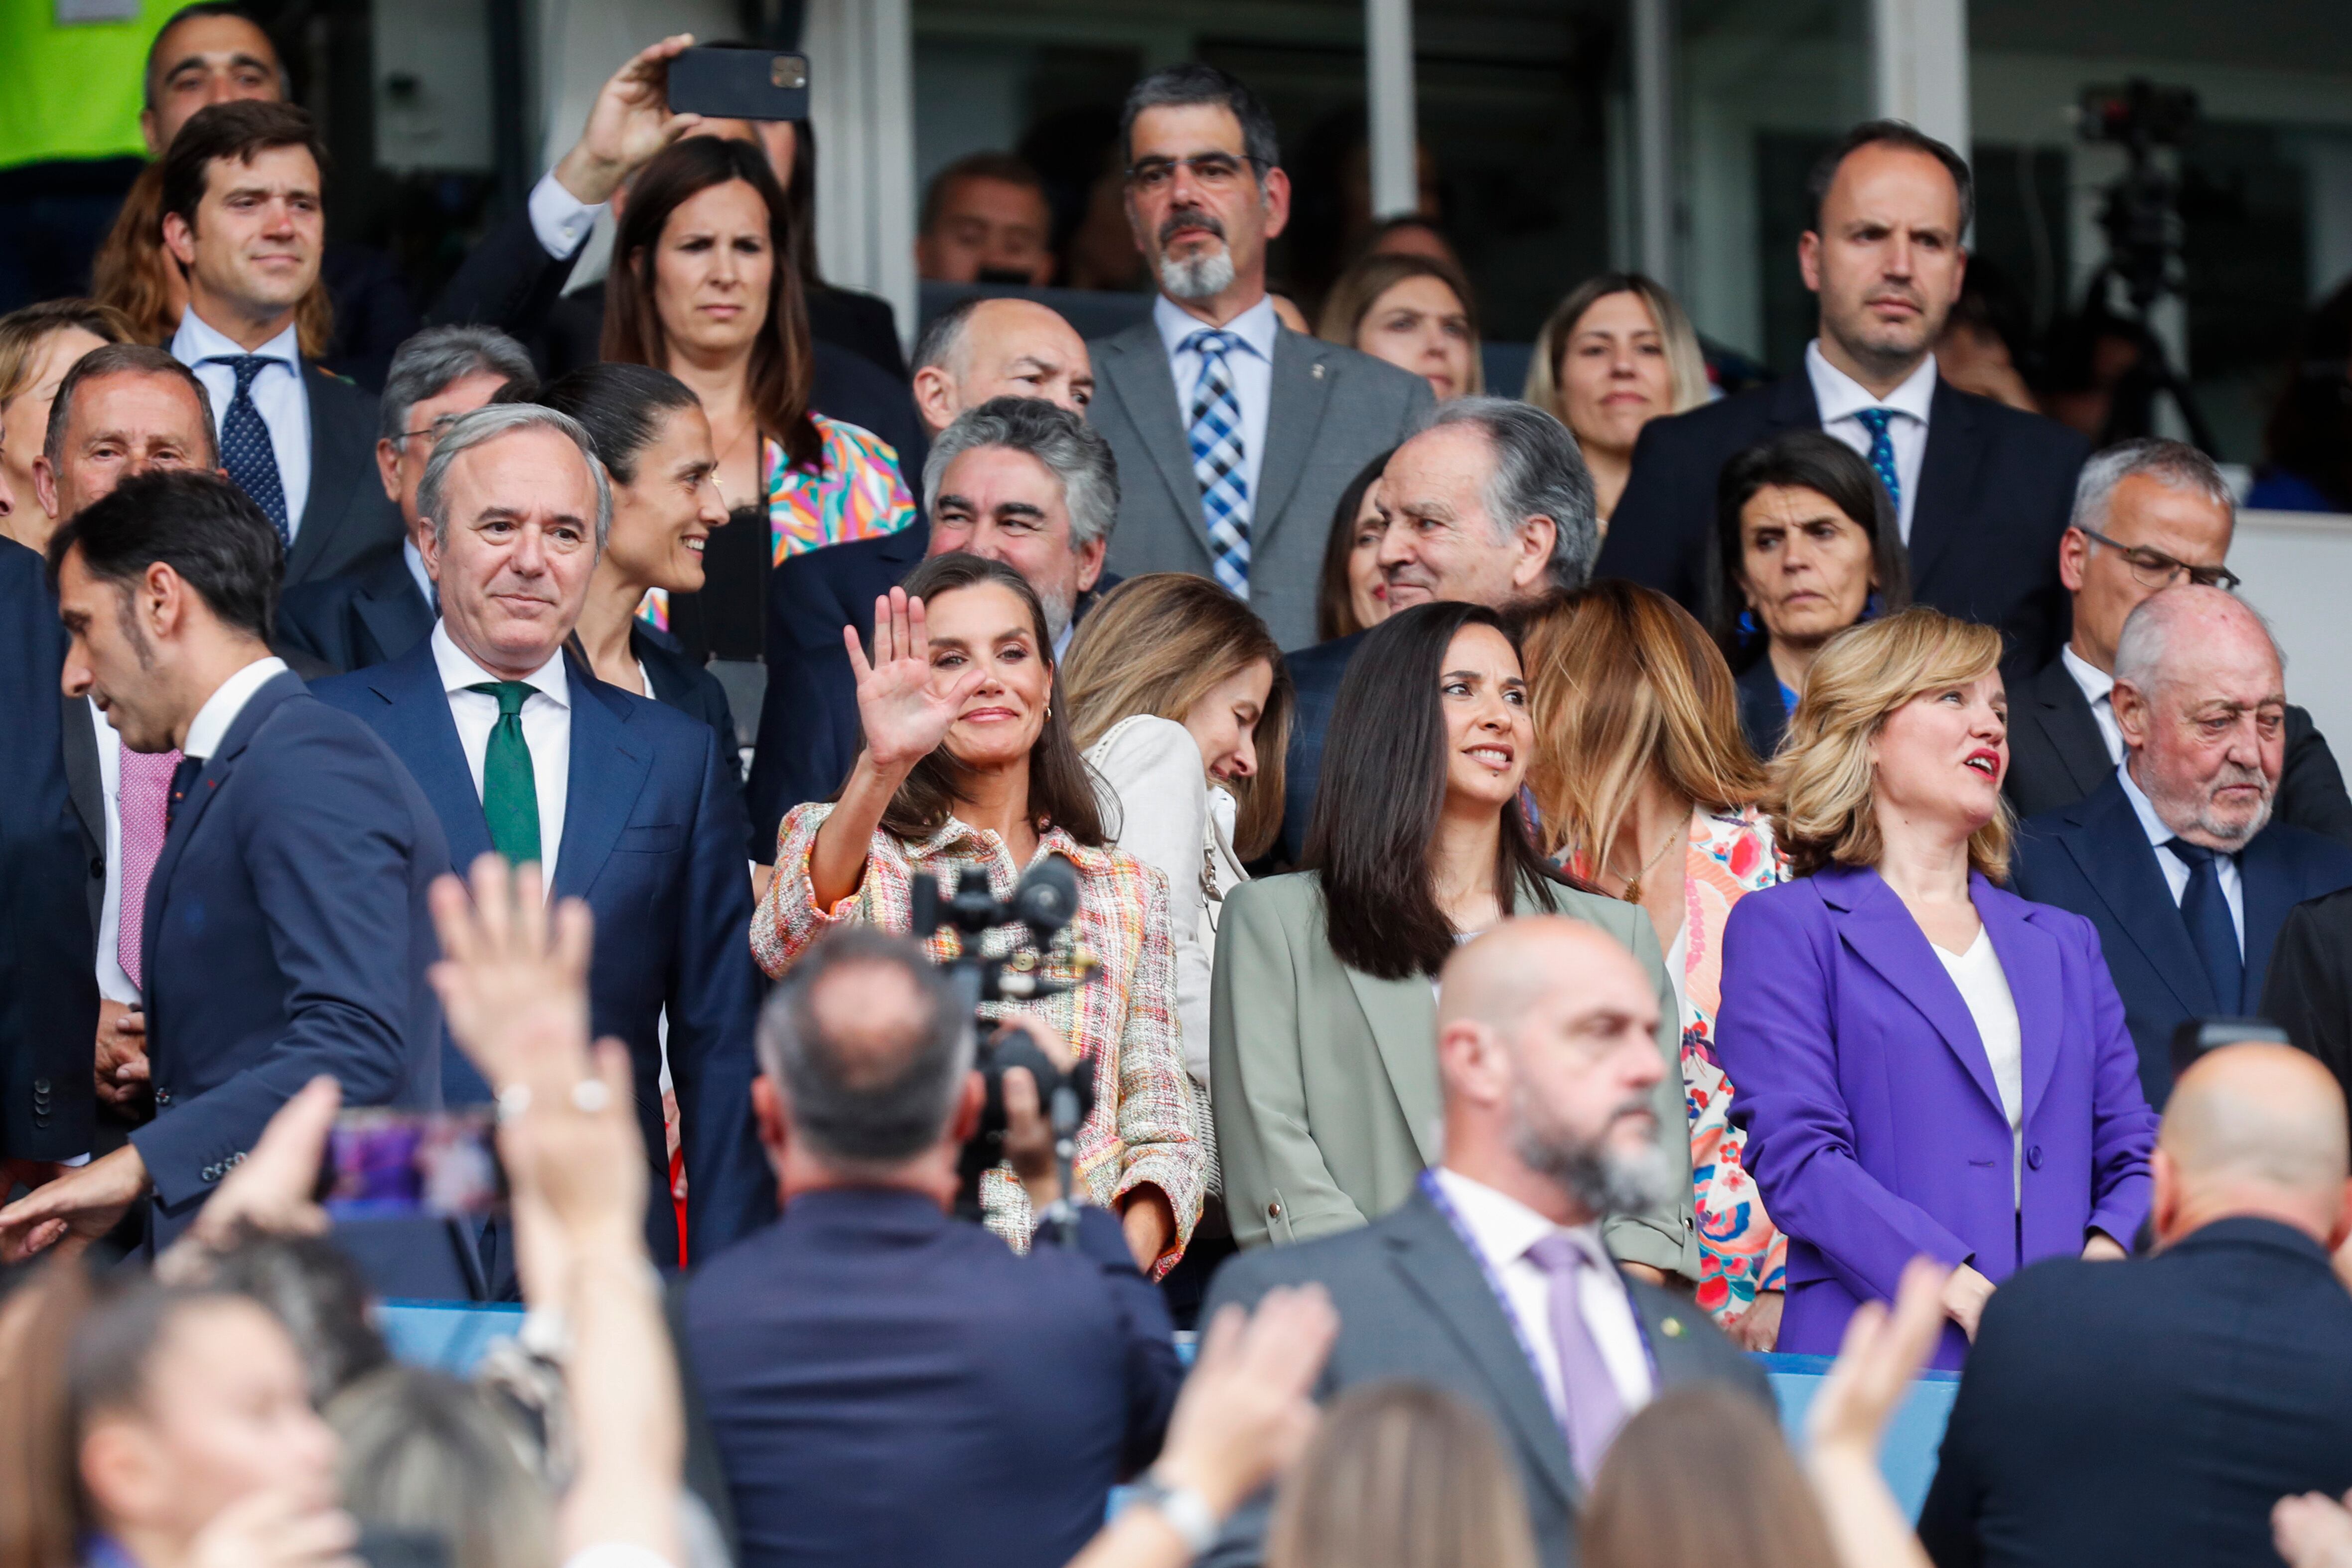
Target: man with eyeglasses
(2148, 515)
(1235, 438)
(385, 606)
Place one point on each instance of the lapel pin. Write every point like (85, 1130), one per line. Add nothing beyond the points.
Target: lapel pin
(1674, 1327)
(1318, 371)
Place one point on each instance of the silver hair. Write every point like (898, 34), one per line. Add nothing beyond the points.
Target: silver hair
(1072, 450)
(2147, 638)
(436, 358)
(485, 424)
(2174, 464)
(1538, 472)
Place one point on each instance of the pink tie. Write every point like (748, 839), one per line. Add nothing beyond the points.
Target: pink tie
(146, 796)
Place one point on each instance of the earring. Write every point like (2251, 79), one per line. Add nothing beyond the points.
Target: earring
(1049, 710)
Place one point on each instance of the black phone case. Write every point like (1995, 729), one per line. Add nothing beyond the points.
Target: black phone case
(740, 84)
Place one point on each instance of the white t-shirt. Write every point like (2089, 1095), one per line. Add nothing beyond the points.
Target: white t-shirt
(1985, 990)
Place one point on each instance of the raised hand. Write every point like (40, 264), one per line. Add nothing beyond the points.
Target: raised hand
(905, 712)
(513, 983)
(629, 122)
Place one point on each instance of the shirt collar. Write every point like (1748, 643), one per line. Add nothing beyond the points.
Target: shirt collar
(1505, 1227)
(1840, 396)
(459, 670)
(1254, 326)
(2096, 682)
(210, 726)
(2157, 830)
(197, 341)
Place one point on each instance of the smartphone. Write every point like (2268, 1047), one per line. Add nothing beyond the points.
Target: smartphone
(387, 1163)
(740, 84)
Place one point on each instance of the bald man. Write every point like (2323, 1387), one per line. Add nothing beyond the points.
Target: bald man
(2153, 1410)
(981, 349)
(2179, 857)
(1546, 1055)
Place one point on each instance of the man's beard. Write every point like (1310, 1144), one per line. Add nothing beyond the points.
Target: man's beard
(2202, 818)
(1602, 1180)
(1204, 275)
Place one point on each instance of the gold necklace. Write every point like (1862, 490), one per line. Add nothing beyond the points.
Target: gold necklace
(1633, 893)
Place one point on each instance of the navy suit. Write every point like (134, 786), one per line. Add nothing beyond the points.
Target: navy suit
(1996, 486)
(653, 840)
(2148, 1411)
(2093, 858)
(48, 992)
(367, 615)
(287, 935)
(891, 1387)
(347, 517)
(1315, 674)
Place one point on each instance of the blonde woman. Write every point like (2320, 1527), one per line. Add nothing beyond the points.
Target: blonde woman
(39, 344)
(1415, 312)
(1647, 792)
(1179, 702)
(1928, 1065)
(1402, 1475)
(1617, 353)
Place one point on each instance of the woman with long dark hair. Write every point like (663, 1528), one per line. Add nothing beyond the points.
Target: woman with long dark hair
(1323, 1022)
(1352, 594)
(703, 286)
(967, 763)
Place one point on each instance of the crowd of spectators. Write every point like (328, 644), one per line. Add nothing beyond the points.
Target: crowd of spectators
(1212, 945)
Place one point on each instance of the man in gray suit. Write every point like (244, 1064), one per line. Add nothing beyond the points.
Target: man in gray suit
(1491, 1280)
(1235, 437)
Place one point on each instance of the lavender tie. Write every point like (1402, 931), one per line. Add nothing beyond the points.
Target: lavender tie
(1592, 1408)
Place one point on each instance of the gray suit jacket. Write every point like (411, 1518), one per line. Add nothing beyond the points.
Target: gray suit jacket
(1413, 1303)
(1324, 1080)
(1333, 410)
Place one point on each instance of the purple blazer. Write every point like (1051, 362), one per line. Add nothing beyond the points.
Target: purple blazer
(1875, 1128)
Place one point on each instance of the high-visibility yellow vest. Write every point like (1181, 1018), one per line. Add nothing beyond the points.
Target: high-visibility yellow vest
(73, 89)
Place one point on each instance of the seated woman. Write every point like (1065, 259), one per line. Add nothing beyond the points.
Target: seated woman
(1352, 596)
(1646, 792)
(965, 765)
(1323, 1023)
(1617, 353)
(1927, 1064)
(1413, 311)
(1805, 545)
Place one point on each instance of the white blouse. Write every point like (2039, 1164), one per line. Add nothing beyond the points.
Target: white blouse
(1985, 990)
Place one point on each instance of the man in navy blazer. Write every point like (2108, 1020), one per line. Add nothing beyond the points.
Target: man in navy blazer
(286, 932)
(2156, 1409)
(887, 1384)
(2176, 858)
(1982, 491)
(631, 805)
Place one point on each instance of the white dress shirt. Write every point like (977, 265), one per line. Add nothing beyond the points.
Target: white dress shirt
(546, 729)
(560, 221)
(113, 980)
(276, 393)
(2175, 869)
(1504, 1229)
(210, 726)
(1251, 366)
(1841, 397)
(1984, 987)
(2099, 691)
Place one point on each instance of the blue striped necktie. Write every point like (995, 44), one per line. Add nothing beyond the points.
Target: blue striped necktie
(1216, 436)
(246, 451)
(1882, 451)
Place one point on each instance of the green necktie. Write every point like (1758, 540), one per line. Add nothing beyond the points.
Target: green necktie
(509, 794)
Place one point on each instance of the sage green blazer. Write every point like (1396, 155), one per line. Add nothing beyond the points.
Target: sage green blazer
(1324, 1080)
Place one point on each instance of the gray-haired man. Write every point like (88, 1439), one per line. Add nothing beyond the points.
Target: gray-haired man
(384, 607)
(620, 801)
(2148, 513)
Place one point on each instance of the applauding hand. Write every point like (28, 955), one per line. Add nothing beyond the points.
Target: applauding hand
(903, 713)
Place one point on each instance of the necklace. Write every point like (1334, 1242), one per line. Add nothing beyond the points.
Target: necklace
(722, 450)
(1633, 893)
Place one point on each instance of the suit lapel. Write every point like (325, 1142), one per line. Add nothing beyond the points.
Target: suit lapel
(1435, 1265)
(1947, 474)
(1884, 935)
(321, 512)
(85, 784)
(2066, 718)
(2111, 850)
(609, 768)
(1402, 1017)
(1135, 368)
(2030, 963)
(416, 724)
(1301, 387)
(395, 615)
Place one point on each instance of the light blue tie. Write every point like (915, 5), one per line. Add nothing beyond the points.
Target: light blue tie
(1216, 436)
(246, 451)
(1882, 451)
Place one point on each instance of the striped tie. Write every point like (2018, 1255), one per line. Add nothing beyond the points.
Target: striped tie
(1217, 458)
(1882, 451)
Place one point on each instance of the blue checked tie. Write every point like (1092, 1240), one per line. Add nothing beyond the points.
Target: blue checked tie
(246, 452)
(1217, 458)
(1882, 451)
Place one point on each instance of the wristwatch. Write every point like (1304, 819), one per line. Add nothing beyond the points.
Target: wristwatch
(1185, 1511)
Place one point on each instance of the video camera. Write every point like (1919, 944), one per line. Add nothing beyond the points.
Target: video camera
(1045, 902)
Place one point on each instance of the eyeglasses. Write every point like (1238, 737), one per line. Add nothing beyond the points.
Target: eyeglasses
(436, 430)
(1215, 171)
(2154, 569)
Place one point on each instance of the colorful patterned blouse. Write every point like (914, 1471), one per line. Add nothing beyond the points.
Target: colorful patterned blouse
(1143, 1128)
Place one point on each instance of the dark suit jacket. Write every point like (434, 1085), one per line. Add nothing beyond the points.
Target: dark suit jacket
(2148, 1411)
(890, 1387)
(2057, 755)
(1332, 410)
(1414, 1303)
(347, 517)
(1763, 716)
(2309, 990)
(1995, 490)
(1314, 674)
(287, 935)
(48, 993)
(653, 840)
(2093, 858)
(365, 616)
